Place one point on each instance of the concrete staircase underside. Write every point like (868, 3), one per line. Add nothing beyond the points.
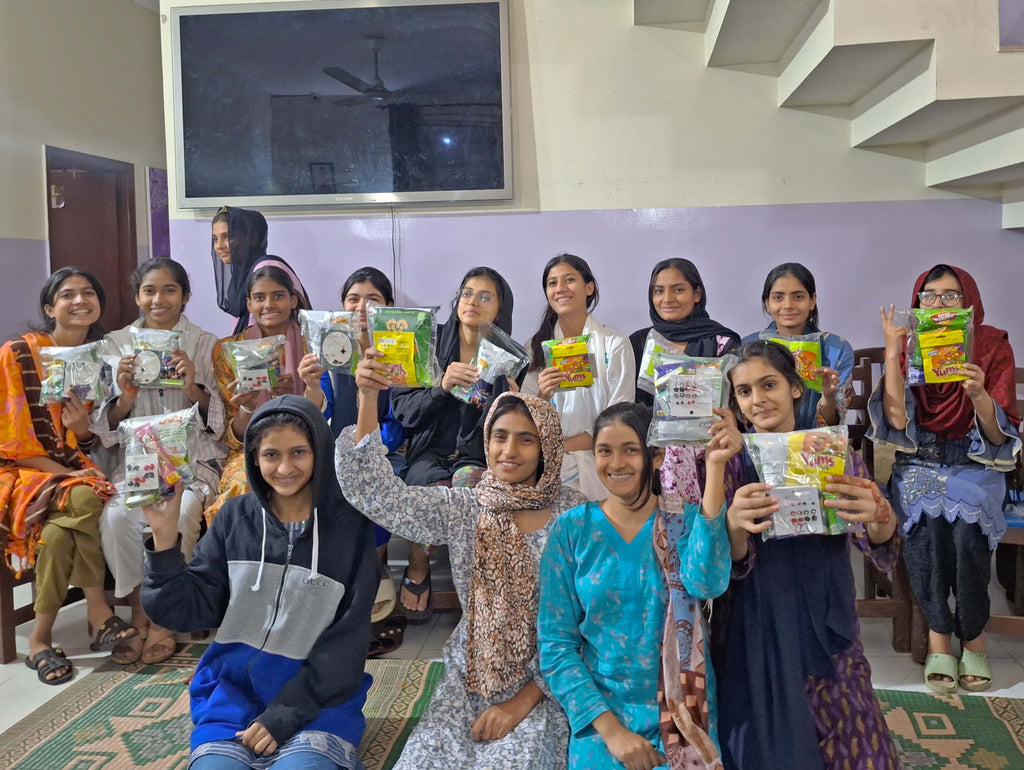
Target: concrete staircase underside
(923, 79)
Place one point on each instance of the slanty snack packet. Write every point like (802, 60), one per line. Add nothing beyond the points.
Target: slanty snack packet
(497, 355)
(154, 349)
(806, 350)
(333, 336)
(801, 460)
(77, 370)
(258, 364)
(939, 344)
(686, 391)
(572, 356)
(156, 455)
(408, 339)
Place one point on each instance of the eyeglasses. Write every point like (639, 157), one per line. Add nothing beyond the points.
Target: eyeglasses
(949, 298)
(482, 297)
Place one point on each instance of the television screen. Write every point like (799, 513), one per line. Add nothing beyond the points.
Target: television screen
(360, 102)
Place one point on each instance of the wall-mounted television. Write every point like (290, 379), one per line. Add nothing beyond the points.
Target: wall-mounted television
(341, 102)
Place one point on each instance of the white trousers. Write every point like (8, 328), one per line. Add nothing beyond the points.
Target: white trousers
(122, 535)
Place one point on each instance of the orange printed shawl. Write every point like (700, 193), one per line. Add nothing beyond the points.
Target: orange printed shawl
(29, 429)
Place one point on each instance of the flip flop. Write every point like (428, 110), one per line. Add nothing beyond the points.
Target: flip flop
(940, 664)
(975, 664)
(110, 633)
(387, 636)
(417, 590)
(53, 659)
(386, 596)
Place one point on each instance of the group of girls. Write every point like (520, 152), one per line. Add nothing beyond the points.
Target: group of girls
(580, 555)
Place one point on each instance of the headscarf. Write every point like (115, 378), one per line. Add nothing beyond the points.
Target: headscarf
(448, 349)
(944, 408)
(697, 327)
(247, 236)
(502, 610)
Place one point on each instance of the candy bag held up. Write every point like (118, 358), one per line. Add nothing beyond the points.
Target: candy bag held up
(77, 370)
(156, 455)
(572, 356)
(803, 460)
(939, 344)
(333, 336)
(686, 390)
(497, 355)
(806, 350)
(258, 364)
(154, 349)
(408, 339)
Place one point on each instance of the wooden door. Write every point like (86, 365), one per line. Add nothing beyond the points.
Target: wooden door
(92, 225)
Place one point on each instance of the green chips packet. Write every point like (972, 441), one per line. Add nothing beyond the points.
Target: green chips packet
(408, 339)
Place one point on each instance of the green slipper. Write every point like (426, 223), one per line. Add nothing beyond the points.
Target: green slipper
(975, 664)
(940, 664)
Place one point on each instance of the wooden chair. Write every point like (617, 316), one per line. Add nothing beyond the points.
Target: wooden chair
(13, 615)
(885, 595)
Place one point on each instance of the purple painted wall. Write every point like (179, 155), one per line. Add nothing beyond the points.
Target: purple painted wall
(1011, 23)
(862, 255)
(24, 264)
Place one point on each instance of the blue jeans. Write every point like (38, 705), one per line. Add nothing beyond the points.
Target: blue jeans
(305, 760)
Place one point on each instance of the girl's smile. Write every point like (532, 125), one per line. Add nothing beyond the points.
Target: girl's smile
(764, 396)
(790, 305)
(514, 449)
(566, 290)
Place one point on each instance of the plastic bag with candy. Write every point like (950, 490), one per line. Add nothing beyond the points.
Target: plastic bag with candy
(408, 339)
(806, 350)
(939, 344)
(572, 356)
(655, 346)
(156, 455)
(686, 390)
(497, 355)
(803, 460)
(333, 336)
(66, 371)
(258, 364)
(154, 349)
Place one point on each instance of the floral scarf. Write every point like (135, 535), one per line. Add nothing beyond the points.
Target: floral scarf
(502, 610)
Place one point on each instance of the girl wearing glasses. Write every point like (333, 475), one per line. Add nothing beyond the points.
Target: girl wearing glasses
(445, 434)
(956, 440)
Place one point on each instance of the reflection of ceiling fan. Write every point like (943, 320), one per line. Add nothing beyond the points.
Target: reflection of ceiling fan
(368, 92)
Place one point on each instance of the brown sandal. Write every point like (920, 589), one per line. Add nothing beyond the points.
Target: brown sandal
(161, 644)
(129, 650)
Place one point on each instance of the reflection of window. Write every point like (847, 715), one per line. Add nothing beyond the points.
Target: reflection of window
(1011, 24)
(323, 177)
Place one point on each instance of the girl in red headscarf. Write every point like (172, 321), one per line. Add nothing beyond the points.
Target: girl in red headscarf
(955, 440)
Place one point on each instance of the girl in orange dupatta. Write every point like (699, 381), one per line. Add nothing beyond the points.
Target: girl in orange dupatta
(51, 493)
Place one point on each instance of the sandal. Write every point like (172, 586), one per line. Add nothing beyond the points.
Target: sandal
(161, 644)
(387, 636)
(52, 659)
(128, 651)
(940, 664)
(417, 590)
(110, 633)
(386, 597)
(975, 664)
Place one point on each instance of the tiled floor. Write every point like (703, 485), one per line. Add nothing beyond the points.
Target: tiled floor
(21, 693)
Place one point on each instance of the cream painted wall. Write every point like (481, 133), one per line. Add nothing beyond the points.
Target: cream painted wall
(83, 76)
(612, 115)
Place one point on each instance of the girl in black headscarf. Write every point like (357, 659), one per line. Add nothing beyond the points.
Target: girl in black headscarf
(445, 434)
(239, 248)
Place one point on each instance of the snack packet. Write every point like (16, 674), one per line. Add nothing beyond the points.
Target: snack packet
(797, 466)
(77, 370)
(258, 364)
(939, 344)
(333, 336)
(497, 355)
(156, 455)
(572, 356)
(686, 390)
(806, 350)
(408, 339)
(154, 349)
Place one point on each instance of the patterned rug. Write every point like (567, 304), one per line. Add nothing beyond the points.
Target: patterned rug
(136, 717)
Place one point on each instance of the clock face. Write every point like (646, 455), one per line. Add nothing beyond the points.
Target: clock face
(147, 367)
(336, 348)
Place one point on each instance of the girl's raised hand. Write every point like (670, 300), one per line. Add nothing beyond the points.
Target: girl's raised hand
(74, 415)
(247, 401)
(752, 508)
(548, 381)
(125, 377)
(459, 374)
(894, 333)
(162, 517)
(309, 370)
(975, 382)
(859, 499)
(726, 439)
(829, 382)
(371, 374)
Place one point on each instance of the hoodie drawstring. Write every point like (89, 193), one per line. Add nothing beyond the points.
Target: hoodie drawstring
(316, 546)
(263, 552)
